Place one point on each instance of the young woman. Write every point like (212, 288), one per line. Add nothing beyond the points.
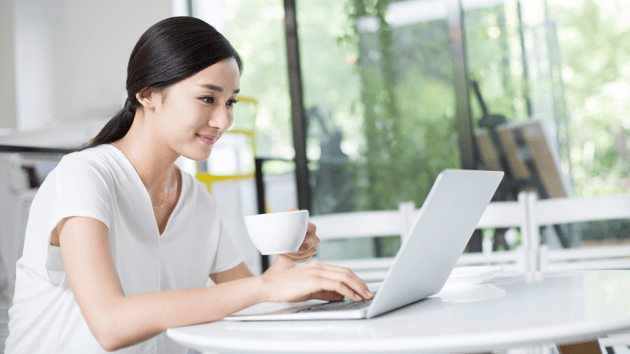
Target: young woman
(120, 242)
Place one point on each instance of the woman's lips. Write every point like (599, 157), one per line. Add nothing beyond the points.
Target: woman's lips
(209, 139)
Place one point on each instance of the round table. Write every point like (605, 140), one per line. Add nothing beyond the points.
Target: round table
(517, 309)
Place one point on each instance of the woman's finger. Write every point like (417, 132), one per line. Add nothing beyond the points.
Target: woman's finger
(348, 278)
(311, 229)
(296, 259)
(310, 242)
(339, 287)
(303, 254)
(364, 289)
(328, 296)
(307, 249)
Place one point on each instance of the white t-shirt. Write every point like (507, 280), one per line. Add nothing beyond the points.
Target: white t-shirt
(101, 183)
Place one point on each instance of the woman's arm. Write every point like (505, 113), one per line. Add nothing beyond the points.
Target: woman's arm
(241, 271)
(118, 321)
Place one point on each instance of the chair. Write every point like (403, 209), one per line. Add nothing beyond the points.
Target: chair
(504, 215)
(354, 225)
(570, 210)
(556, 211)
(399, 222)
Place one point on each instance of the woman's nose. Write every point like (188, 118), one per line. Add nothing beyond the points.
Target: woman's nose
(220, 119)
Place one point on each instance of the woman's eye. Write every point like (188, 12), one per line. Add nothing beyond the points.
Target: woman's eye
(232, 102)
(207, 99)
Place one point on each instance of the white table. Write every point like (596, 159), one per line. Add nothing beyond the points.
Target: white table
(518, 309)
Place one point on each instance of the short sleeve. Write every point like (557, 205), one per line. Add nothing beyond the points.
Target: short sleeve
(81, 190)
(227, 256)
(76, 187)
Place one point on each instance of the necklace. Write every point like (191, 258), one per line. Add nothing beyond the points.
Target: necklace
(168, 183)
(168, 191)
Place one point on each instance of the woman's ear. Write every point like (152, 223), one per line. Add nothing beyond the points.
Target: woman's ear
(146, 98)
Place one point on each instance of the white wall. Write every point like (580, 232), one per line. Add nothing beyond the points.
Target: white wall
(71, 56)
(34, 63)
(7, 78)
(210, 11)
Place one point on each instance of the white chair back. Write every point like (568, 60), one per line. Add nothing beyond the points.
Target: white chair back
(398, 223)
(556, 211)
(504, 215)
(366, 224)
(570, 210)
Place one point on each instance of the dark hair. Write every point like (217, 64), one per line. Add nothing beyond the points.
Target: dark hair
(170, 51)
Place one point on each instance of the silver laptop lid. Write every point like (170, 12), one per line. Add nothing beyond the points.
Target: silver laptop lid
(437, 238)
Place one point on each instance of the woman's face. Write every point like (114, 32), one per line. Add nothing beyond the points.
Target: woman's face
(192, 114)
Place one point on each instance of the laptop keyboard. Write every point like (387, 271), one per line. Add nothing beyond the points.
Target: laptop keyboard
(336, 306)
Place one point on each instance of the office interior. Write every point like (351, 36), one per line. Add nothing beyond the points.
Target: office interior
(345, 106)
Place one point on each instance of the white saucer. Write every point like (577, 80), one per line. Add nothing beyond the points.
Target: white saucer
(467, 276)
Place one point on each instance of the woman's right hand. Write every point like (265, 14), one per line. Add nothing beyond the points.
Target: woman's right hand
(314, 280)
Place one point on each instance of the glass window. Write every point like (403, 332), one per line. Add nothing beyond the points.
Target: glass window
(256, 29)
(564, 62)
(380, 104)
(595, 71)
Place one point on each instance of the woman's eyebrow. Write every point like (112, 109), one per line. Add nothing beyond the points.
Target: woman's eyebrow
(217, 88)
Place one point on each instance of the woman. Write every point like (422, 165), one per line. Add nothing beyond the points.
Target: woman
(120, 242)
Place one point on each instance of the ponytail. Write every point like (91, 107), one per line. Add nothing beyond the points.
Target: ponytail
(116, 128)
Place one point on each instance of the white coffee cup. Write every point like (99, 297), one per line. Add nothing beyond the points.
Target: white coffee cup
(277, 233)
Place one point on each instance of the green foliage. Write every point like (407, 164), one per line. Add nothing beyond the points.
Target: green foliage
(390, 91)
(256, 29)
(493, 59)
(596, 70)
(408, 104)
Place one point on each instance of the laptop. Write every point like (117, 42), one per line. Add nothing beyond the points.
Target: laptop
(426, 257)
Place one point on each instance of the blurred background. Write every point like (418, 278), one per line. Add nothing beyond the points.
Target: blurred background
(357, 105)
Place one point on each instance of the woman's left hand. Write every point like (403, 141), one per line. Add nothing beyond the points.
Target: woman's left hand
(307, 249)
